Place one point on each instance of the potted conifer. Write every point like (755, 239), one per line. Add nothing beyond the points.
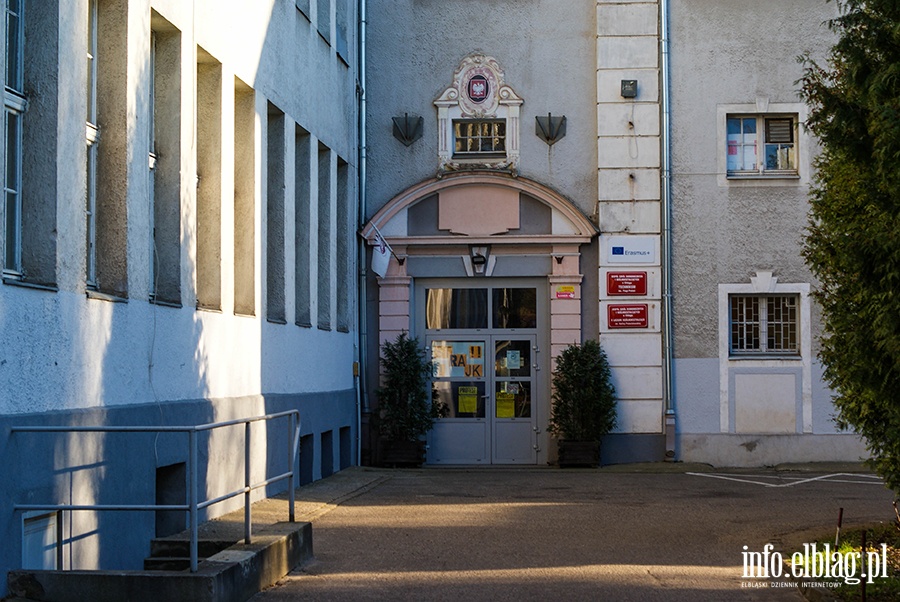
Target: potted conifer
(406, 402)
(584, 403)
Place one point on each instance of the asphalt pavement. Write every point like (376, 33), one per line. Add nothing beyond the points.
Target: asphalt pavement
(665, 532)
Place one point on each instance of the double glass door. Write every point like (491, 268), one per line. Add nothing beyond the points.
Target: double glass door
(485, 384)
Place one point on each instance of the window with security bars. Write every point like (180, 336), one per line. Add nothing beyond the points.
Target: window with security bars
(477, 137)
(764, 324)
(758, 145)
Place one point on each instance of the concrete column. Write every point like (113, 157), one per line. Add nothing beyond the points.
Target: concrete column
(629, 208)
(393, 300)
(565, 300)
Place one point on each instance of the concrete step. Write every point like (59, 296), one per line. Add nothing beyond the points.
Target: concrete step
(232, 575)
(181, 547)
(167, 563)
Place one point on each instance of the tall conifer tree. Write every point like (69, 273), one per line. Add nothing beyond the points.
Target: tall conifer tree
(853, 242)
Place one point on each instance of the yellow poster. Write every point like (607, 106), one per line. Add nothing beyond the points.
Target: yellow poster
(467, 400)
(506, 405)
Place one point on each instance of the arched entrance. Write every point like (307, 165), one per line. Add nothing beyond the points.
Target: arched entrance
(486, 274)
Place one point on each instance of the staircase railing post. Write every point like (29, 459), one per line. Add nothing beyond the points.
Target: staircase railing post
(247, 483)
(192, 468)
(290, 448)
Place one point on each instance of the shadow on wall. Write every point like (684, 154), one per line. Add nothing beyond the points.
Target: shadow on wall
(150, 364)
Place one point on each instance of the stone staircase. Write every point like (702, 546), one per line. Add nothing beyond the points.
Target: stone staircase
(174, 553)
(232, 574)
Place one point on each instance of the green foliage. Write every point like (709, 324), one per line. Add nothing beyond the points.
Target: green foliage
(407, 407)
(584, 399)
(853, 242)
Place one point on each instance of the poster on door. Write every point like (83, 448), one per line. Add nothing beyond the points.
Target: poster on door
(458, 359)
(468, 400)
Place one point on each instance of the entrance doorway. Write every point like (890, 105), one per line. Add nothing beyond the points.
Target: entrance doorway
(485, 347)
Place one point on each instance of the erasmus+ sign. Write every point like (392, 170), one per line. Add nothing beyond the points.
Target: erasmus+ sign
(631, 249)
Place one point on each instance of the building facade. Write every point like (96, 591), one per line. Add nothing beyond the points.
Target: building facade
(635, 171)
(748, 385)
(187, 257)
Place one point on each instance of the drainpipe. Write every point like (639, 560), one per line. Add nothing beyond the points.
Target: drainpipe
(362, 401)
(665, 132)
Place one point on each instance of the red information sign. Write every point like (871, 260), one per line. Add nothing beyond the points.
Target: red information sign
(628, 315)
(626, 283)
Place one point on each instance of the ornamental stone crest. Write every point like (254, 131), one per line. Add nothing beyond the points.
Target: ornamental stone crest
(477, 86)
(478, 92)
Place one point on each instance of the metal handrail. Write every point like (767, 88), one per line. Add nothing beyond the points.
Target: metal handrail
(194, 505)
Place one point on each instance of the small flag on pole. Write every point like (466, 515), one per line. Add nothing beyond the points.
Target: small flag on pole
(381, 254)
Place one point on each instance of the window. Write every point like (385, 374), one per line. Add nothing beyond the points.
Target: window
(92, 139)
(164, 161)
(344, 247)
(303, 7)
(244, 199)
(474, 137)
(456, 308)
(761, 145)
(14, 105)
(209, 188)
(302, 237)
(323, 19)
(275, 185)
(341, 21)
(151, 163)
(764, 324)
(325, 251)
(467, 308)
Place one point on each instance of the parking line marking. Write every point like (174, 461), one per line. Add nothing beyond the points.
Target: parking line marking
(798, 481)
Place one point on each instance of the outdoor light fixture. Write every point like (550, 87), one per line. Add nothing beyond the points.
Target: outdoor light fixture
(408, 128)
(629, 88)
(478, 256)
(550, 128)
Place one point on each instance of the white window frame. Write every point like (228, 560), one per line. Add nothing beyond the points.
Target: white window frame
(15, 104)
(765, 283)
(92, 138)
(761, 110)
(760, 146)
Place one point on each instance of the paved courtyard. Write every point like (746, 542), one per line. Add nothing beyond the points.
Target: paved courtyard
(640, 533)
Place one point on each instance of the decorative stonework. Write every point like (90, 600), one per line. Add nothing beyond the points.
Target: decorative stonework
(478, 91)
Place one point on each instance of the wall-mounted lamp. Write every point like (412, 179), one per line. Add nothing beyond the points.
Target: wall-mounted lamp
(479, 259)
(550, 128)
(480, 262)
(408, 128)
(629, 88)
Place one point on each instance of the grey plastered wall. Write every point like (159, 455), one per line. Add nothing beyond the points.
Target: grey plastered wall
(728, 53)
(548, 55)
(548, 58)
